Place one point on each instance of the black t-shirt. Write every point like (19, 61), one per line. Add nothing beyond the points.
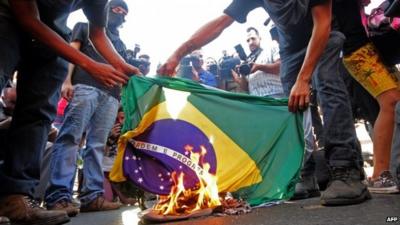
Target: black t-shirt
(54, 13)
(347, 14)
(81, 33)
(291, 17)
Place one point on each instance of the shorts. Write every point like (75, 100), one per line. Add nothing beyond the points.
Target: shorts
(366, 66)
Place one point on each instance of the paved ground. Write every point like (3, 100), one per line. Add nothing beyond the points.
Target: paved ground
(304, 212)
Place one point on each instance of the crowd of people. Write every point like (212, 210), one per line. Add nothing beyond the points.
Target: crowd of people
(323, 46)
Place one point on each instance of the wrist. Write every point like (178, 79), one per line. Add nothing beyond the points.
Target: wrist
(304, 78)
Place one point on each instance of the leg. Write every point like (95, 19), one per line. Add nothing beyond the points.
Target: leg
(383, 131)
(341, 145)
(37, 95)
(39, 82)
(97, 133)
(339, 131)
(366, 66)
(63, 164)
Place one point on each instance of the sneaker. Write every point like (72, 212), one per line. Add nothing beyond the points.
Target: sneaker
(345, 188)
(4, 220)
(100, 204)
(306, 188)
(66, 206)
(385, 184)
(23, 210)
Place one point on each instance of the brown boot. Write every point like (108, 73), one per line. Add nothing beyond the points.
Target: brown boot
(66, 206)
(4, 220)
(100, 204)
(23, 210)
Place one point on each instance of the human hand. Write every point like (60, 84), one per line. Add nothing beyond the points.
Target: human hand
(299, 98)
(106, 74)
(235, 75)
(116, 130)
(67, 91)
(254, 67)
(169, 68)
(128, 69)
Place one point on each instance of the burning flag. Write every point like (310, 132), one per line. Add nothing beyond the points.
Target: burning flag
(179, 135)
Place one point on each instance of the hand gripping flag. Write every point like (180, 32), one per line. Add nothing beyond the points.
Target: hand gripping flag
(254, 145)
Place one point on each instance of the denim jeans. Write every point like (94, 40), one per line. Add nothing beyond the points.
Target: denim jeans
(40, 76)
(92, 111)
(10, 48)
(340, 136)
(395, 155)
(309, 145)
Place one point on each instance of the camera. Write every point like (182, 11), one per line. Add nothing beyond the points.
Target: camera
(227, 65)
(244, 68)
(186, 66)
(141, 64)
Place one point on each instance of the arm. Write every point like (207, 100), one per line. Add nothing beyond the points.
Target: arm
(106, 49)
(27, 15)
(67, 90)
(300, 94)
(203, 36)
(271, 68)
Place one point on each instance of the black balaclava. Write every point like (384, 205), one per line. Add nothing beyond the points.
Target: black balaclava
(115, 20)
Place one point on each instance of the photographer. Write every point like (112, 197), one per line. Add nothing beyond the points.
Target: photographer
(142, 62)
(199, 73)
(263, 79)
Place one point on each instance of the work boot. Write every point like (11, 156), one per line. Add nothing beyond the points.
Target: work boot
(4, 220)
(66, 206)
(100, 204)
(23, 210)
(345, 188)
(306, 188)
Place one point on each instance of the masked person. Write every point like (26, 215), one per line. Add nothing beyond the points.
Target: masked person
(308, 50)
(33, 35)
(92, 109)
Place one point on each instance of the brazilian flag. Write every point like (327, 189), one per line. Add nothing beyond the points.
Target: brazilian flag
(252, 144)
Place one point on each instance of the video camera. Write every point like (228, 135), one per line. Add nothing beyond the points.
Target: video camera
(141, 64)
(186, 66)
(245, 67)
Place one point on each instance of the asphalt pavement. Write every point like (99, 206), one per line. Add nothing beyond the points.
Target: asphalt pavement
(304, 212)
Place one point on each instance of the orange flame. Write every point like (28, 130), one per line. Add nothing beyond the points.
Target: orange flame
(185, 201)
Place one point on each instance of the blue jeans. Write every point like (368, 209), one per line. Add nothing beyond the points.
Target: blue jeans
(341, 144)
(395, 155)
(41, 74)
(10, 47)
(92, 111)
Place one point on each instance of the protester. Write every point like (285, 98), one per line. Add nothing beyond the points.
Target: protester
(365, 64)
(33, 33)
(92, 108)
(306, 45)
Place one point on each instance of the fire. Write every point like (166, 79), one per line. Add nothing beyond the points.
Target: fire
(184, 201)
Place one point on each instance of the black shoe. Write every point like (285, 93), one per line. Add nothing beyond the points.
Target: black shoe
(345, 188)
(22, 210)
(306, 188)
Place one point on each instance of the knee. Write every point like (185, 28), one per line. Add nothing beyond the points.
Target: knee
(389, 99)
